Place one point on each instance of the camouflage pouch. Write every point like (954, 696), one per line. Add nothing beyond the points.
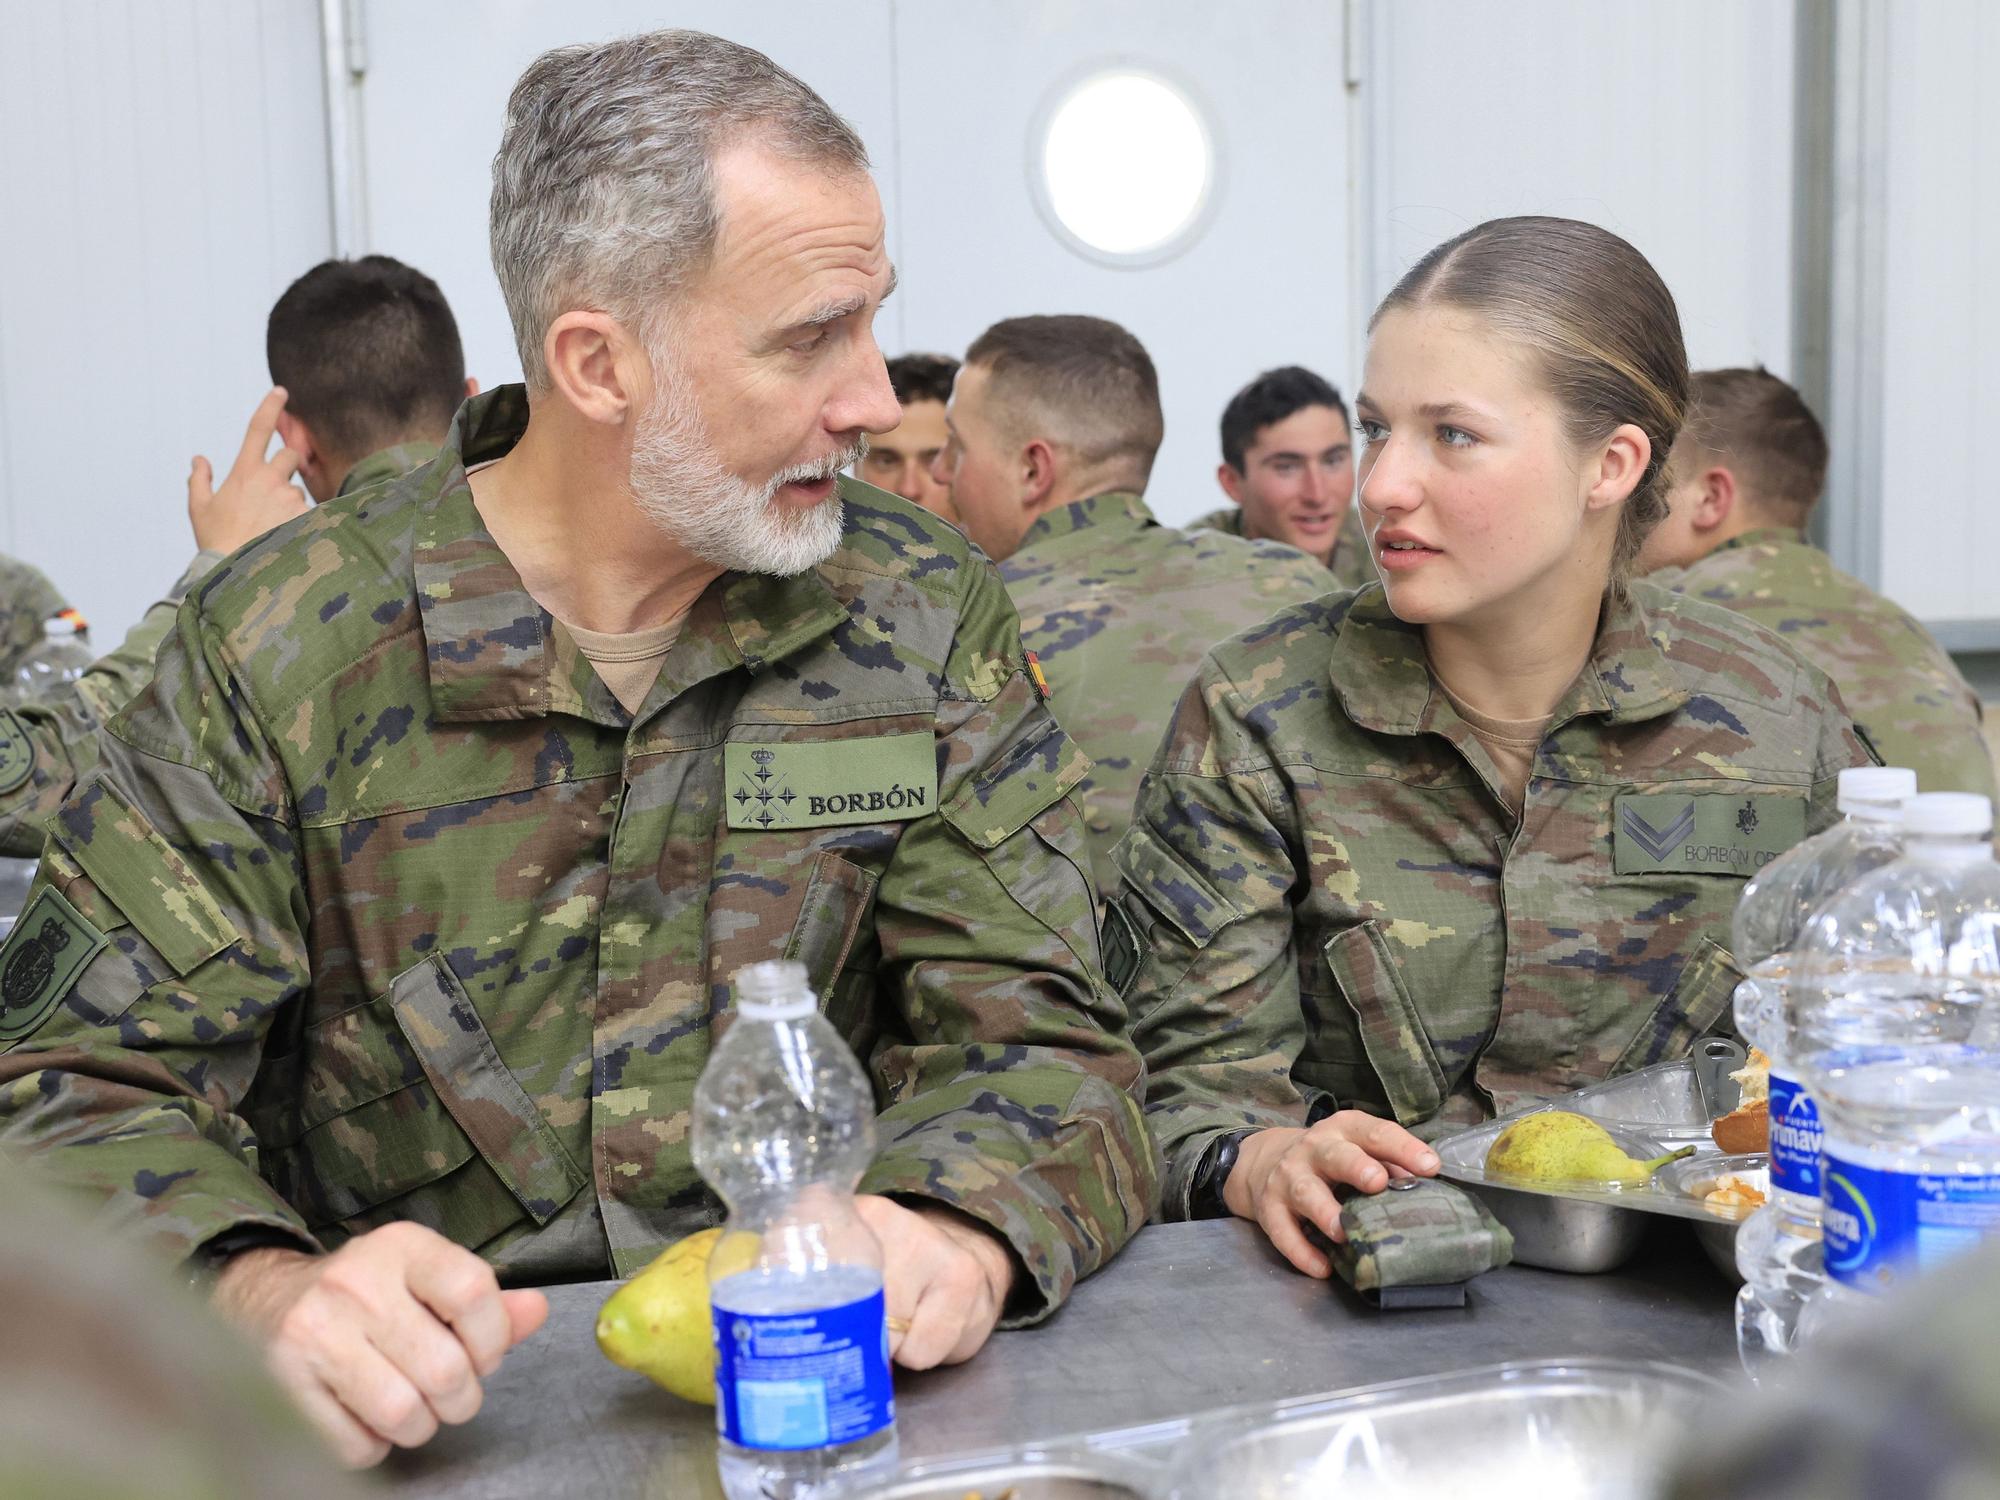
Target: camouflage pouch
(1417, 1243)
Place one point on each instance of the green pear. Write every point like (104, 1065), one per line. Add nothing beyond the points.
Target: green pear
(1556, 1146)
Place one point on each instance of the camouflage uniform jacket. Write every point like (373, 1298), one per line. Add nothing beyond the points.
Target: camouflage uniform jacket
(1900, 685)
(407, 918)
(1328, 903)
(1121, 609)
(1350, 565)
(27, 600)
(48, 744)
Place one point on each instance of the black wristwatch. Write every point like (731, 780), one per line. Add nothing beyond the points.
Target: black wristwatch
(1205, 1199)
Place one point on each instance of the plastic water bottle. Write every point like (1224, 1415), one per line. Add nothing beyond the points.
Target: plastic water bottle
(60, 657)
(1897, 984)
(784, 1126)
(1778, 1247)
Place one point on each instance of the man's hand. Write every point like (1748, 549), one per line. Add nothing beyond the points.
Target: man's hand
(945, 1277)
(258, 493)
(382, 1340)
(1282, 1177)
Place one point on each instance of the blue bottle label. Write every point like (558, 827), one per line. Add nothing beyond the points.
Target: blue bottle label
(803, 1380)
(1795, 1139)
(1880, 1226)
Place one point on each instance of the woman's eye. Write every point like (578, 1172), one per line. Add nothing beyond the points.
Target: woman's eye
(1455, 437)
(1372, 432)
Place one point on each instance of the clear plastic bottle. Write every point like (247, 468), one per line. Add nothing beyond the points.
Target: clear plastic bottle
(1778, 1247)
(784, 1126)
(1897, 991)
(61, 656)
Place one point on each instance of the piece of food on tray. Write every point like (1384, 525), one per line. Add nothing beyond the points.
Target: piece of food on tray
(1557, 1146)
(1734, 1194)
(1747, 1128)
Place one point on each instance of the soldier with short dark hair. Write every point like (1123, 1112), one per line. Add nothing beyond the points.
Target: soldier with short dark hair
(374, 970)
(900, 459)
(1288, 470)
(1053, 426)
(1741, 484)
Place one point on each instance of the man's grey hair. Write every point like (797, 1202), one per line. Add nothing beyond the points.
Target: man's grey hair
(604, 184)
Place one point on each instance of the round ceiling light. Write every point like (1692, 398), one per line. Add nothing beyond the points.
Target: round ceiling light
(1124, 166)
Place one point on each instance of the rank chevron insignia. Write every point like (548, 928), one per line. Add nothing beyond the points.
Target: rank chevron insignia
(1658, 841)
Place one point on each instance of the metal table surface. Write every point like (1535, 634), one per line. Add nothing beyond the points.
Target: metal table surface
(1189, 1318)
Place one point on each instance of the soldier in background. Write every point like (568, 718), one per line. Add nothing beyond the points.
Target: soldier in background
(1742, 482)
(1288, 470)
(900, 459)
(376, 965)
(369, 370)
(27, 601)
(1413, 855)
(1053, 426)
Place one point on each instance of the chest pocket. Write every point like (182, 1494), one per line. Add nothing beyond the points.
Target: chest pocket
(1699, 1003)
(826, 939)
(1393, 1069)
(404, 1110)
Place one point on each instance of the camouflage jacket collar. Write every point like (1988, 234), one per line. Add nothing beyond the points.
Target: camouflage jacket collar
(495, 653)
(388, 463)
(1113, 510)
(1773, 537)
(1381, 672)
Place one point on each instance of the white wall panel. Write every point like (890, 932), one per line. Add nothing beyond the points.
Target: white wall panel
(1668, 124)
(162, 167)
(1265, 284)
(1940, 525)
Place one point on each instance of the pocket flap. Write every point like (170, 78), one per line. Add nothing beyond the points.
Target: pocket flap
(480, 1091)
(1392, 1032)
(1701, 996)
(151, 885)
(1029, 777)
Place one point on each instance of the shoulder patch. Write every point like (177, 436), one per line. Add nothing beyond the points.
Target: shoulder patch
(1709, 833)
(17, 751)
(49, 946)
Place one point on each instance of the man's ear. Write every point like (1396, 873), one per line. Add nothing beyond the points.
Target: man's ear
(597, 367)
(1231, 481)
(1717, 503)
(471, 387)
(295, 435)
(1040, 468)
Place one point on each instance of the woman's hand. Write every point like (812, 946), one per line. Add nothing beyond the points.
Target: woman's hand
(1285, 1177)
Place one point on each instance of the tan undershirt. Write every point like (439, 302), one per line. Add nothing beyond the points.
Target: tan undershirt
(1511, 742)
(629, 663)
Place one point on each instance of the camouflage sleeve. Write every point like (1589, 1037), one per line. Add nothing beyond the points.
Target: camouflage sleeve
(1208, 868)
(50, 744)
(1013, 1096)
(165, 930)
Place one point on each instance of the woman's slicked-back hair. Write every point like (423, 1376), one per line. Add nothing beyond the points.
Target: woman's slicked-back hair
(604, 188)
(1601, 325)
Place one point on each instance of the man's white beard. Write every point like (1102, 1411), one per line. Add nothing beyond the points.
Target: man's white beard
(681, 484)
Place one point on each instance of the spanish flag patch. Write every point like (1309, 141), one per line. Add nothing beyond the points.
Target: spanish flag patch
(1034, 665)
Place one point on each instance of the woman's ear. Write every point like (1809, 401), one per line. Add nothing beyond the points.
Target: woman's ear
(1621, 464)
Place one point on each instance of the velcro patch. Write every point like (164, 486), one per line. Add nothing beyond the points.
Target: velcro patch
(40, 960)
(17, 751)
(1710, 833)
(825, 783)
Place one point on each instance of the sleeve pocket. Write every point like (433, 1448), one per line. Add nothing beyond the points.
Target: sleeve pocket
(1392, 1033)
(1027, 778)
(140, 874)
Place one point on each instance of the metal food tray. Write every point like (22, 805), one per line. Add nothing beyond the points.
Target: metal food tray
(1601, 1428)
(1593, 1227)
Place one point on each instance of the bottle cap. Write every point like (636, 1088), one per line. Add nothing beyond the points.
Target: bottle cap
(1876, 787)
(63, 625)
(775, 990)
(1948, 815)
